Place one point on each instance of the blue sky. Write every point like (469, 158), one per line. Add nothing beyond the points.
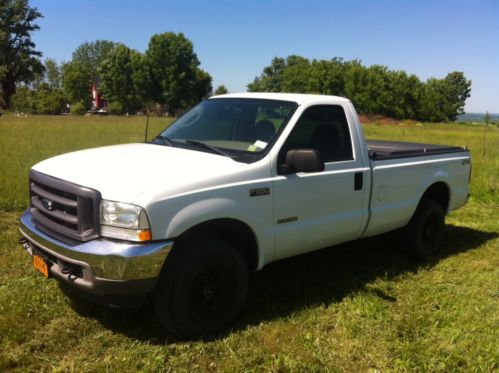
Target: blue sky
(235, 40)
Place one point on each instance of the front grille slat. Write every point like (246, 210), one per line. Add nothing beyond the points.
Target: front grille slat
(45, 222)
(60, 208)
(58, 214)
(53, 197)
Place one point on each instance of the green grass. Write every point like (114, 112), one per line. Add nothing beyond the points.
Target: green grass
(358, 307)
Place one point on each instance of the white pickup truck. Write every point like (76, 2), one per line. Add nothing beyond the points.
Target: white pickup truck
(239, 181)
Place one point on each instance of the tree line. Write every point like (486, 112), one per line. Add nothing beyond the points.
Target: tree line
(373, 90)
(168, 75)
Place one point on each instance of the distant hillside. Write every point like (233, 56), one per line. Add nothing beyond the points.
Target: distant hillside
(476, 117)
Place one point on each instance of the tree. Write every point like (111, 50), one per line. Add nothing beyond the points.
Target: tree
(355, 81)
(176, 80)
(91, 54)
(53, 75)
(49, 100)
(404, 94)
(201, 88)
(456, 90)
(328, 77)
(444, 99)
(117, 73)
(19, 60)
(141, 78)
(373, 89)
(76, 82)
(271, 78)
(296, 75)
(43, 100)
(24, 100)
(221, 90)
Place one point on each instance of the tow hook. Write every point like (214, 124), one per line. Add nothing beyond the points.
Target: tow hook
(25, 243)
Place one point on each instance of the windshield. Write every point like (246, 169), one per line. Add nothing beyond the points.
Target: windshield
(242, 128)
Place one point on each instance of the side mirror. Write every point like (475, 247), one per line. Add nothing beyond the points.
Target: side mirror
(302, 160)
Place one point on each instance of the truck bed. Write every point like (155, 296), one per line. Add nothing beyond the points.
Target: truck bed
(381, 150)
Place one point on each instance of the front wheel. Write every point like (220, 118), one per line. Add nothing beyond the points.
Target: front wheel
(202, 288)
(422, 236)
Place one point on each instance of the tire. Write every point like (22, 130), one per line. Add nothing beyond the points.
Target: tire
(202, 288)
(422, 236)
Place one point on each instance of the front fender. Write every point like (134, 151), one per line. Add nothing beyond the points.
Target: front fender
(171, 218)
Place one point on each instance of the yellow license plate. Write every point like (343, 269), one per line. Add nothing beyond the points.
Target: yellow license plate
(40, 265)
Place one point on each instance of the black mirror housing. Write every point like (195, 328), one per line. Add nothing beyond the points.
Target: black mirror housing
(302, 160)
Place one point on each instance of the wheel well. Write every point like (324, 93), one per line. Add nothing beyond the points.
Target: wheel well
(232, 231)
(438, 192)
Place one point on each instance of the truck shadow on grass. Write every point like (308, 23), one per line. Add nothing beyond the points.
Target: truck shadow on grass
(320, 278)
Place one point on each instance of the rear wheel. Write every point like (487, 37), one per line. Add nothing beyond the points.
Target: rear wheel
(422, 236)
(202, 288)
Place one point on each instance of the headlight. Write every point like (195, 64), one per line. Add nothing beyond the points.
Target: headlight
(124, 221)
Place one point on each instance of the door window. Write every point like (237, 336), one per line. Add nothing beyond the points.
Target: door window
(324, 128)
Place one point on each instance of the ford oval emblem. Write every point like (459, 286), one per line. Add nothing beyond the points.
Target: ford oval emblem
(48, 204)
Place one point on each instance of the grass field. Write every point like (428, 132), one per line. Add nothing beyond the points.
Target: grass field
(358, 307)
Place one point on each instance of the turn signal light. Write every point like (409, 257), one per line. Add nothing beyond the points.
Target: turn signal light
(145, 235)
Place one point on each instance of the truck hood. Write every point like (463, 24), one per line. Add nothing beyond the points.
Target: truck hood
(123, 172)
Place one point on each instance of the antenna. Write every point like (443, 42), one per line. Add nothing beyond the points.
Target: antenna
(147, 124)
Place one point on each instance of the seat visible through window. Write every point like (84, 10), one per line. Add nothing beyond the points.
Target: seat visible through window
(327, 142)
(264, 130)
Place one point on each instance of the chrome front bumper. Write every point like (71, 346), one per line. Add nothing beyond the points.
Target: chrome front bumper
(99, 266)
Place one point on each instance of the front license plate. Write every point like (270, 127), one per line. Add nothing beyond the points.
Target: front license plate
(40, 265)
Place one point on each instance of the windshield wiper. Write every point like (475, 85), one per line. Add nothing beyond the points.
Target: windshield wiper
(165, 140)
(207, 146)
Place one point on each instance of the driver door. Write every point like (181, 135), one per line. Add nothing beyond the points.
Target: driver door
(319, 209)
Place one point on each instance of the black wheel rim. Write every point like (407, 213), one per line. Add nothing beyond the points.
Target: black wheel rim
(430, 232)
(210, 295)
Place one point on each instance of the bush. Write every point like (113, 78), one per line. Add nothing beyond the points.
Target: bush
(49, 101)
(78, 108)
(24, 100)
(115, 108)
(221, 90)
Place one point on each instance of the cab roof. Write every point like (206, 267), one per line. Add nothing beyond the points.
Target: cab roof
(299, 98)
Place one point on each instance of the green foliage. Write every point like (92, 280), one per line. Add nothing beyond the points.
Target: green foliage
(19, 61)
(221, 90)
(176, 79)
(24, 100)
(90, 55)
(373, 89)
(76, 82)
(49, 100)
(44, 100)
(167, 74)
(271, 79)
(123, 79)
(53, 73)
(115, 108)
(201, 89)
(78, 108)
(456, 90)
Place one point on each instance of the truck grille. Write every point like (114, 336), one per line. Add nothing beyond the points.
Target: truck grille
(64, 210)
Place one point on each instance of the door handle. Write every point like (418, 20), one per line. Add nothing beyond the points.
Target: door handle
(358, 181)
